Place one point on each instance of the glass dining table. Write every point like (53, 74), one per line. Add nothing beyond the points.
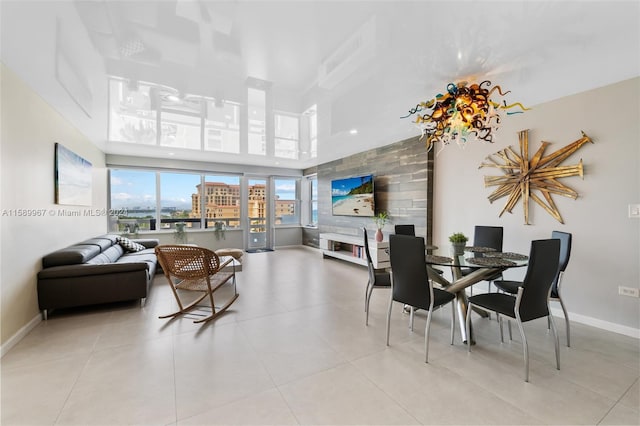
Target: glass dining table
(483, 263)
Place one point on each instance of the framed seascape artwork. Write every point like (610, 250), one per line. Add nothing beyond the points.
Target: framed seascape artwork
(353, 196)
(72, 178)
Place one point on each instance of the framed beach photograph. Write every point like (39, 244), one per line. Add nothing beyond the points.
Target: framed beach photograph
(353, 196)
(72, 178)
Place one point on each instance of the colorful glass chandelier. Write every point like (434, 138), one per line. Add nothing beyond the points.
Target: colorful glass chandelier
(463, 112)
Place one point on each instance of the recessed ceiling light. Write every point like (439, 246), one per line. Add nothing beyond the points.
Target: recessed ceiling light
(171, 153)
(173, 98)
(353, 131)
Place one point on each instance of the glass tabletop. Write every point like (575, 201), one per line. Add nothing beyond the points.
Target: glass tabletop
(479, 260)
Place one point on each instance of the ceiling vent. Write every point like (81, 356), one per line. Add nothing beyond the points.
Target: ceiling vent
(348, 57)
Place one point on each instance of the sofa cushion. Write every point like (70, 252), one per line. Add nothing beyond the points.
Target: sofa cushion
(103, 243)
(112, 237)
(148, 258)
(130, 246)
(70, 256)
(110, 255)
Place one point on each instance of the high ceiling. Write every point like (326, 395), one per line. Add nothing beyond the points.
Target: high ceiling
(364, 63)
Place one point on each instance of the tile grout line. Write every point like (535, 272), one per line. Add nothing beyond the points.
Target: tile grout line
(75, 382)
(618, 401)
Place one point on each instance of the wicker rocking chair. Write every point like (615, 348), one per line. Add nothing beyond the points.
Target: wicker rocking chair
(193, 268)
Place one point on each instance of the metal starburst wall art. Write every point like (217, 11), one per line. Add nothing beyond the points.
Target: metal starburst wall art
(522, 176)
(463, 112)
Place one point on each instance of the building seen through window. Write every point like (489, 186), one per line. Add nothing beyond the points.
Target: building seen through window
(200, 201)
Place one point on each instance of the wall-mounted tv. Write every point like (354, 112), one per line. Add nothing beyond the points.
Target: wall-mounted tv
(353, 196)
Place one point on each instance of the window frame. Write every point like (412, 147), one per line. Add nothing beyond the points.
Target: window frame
(157, 173)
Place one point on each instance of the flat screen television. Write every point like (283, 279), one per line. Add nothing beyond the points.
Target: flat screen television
(353, 196)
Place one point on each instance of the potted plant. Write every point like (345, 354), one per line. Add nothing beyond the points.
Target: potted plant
(218, 229)
(458, 241)
(180, 236)
(380, 220)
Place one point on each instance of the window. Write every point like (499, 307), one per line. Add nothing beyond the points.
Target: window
(182, 199)
(309, 196)
(314, 201)
(256, 122)
(287, 134)
(286, 202)
(176, 200)
(133, 196)
(221, 201)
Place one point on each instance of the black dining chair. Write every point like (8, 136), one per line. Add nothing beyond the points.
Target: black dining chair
(532, 299)
(410, 283)
(409, 229)
(377, 278)
(486, 236)
(511, 287)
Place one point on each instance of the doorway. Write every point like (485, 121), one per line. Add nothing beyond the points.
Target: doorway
(259, 223)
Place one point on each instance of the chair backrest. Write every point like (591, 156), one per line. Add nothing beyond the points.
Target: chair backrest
(565, 252)
(411, 283)
(187, 262)
(541, 271)
(565, 248)
(488, 236)
(372, 271)
(405, 229)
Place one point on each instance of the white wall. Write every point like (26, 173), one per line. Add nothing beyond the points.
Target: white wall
(606, 243)
(30, 129)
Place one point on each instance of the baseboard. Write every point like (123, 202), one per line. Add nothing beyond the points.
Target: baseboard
(15, 339)
(594, 322)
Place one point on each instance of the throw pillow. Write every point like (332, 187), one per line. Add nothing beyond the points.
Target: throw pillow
(128, 245)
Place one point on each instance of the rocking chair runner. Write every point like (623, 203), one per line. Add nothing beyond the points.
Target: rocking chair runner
(196, 269)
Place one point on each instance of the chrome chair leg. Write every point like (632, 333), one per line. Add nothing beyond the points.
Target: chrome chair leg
(566, 320)
(426, 335)
(509, 328)
(453, 321)
(467, 322)
(556, 341)
(501, 332)
(367, 303)
(412, 312)
(525, 348)
(389, 316)
(366, 296)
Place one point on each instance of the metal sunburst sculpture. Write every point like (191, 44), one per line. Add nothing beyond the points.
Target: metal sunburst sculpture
(524, 175)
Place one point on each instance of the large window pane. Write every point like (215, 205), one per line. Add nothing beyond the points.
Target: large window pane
(222, 127)
(131, 118)
(286, 202)
(133, 196)
(314, 201)
(257, 119)
(176, 199)
(221, 201)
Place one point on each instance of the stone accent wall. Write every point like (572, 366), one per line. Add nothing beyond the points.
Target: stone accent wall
(403, 181)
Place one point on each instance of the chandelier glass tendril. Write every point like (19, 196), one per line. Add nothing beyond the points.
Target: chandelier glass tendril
(462, 112)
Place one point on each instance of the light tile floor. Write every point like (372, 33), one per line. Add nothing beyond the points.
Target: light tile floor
(294, 349)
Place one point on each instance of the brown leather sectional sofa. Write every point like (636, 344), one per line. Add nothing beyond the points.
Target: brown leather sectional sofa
(98, 270)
